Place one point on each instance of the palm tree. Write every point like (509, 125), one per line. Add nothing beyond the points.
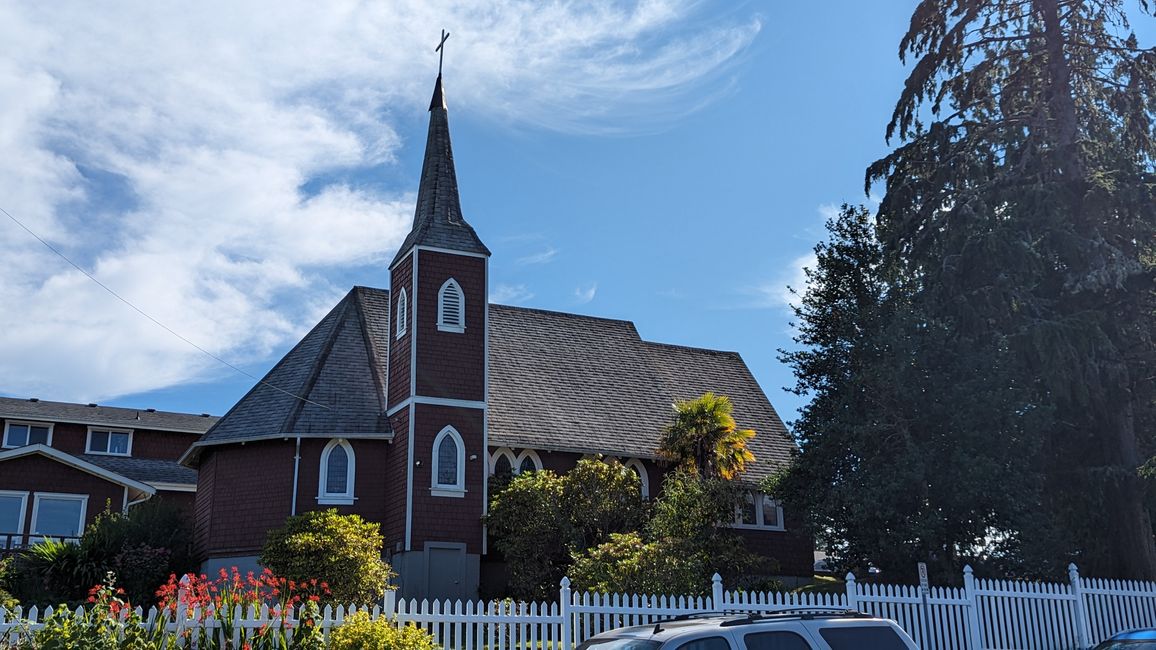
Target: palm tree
(704, 438)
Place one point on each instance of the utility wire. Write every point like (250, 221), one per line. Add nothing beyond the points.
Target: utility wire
(142, 313)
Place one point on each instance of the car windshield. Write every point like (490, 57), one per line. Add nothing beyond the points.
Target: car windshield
(1127, 645)
(622, 643)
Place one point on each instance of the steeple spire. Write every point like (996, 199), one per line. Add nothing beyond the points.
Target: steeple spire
(438, 221)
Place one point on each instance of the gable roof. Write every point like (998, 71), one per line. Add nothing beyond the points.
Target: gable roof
(437, 219)
(332, 383)
(558, 382)
(12, 408)
(77, 463)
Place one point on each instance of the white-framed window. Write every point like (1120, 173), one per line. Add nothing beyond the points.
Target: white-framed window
(19, 434)
(58, 515)
(449, 464)
(502, 462)
(13, 507)
(111, 442)
(528, 461)
(338, 469)
(757, 510)
(451, 307)
(643, 480)
(402, 313)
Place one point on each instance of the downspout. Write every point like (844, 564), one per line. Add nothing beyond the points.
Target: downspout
(296, 469)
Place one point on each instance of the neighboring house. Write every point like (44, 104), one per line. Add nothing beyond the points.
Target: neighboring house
(63, 464)
(400, 404)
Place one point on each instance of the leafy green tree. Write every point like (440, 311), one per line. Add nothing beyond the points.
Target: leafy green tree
(343, 551)
(704, 438)
(540, 518)
(1019, 205)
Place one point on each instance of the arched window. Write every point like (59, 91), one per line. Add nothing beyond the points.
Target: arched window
(502, 462)
(402, 313)
(451, 307)
(528, 461)
(449, 464)
(643, 479)
(338, 469)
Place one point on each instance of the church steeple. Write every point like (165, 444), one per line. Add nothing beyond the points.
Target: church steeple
(438, 221)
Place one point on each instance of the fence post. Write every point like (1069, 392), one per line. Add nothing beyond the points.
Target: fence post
(564, 607)
(716, 594)
(1082, 630)
(852, 592)
(973, 630)
(389, 603)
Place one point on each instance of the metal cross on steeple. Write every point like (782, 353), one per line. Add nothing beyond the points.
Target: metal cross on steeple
(441, 51)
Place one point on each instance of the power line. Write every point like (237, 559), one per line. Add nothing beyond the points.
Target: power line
(155, 321)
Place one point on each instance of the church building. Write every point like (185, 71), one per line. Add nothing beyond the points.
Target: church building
(401, 403)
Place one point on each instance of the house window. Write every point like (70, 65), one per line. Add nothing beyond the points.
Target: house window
(528, 461)
(402, 313)
(113, 442)
(451, 307)
(12, 509)
(58, 515)
(18, 434)
(643, 479)
(338, 469)
(757, 510)
(449, 464)
(502, 463)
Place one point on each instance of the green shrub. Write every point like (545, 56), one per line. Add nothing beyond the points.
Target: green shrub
(341, 550)
(53, 572)
(108, 623)
(359, 632)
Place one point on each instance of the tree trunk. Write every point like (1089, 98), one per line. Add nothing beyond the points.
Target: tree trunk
(1059, 99)
(1134, 550)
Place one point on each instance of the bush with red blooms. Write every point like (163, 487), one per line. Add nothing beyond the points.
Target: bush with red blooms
(214, 608)
(107, 622)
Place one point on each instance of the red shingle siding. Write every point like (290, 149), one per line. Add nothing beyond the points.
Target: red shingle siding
(793, 550)
(252, 493)
(399, 350)
(394, 472)
(370, 487)
(72, 438)
(451, 364)
(202, 506)
(448, 519)
(35, 473)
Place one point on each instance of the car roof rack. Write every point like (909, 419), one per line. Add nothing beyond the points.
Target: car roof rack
(689, 616)
(805, 613)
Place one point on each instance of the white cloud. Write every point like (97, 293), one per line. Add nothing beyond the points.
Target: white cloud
(208, 160)
(585, 294)
(541, 257)
(510, 294)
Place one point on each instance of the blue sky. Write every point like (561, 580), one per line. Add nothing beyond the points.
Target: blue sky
(233, 170)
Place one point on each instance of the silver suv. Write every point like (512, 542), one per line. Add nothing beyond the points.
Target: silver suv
(793, 629)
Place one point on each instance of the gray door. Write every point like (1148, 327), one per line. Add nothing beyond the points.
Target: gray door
(447, 573)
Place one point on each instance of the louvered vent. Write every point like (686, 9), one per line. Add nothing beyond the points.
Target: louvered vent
(402, 313)
(451, 307)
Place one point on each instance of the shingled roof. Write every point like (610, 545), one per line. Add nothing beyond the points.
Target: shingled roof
(332, 383)
(145, 470)
(111, 416)
(558, 381)
(437, 220)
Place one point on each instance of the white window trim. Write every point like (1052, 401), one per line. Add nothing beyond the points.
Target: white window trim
(458, 490)
(758, 525)
(30, 423)
(82, 498)
(643, 477)
(509, 454)
(452, 285)
(345, 498)
(88, 441)
(402, 313)
(15, 536)
(532, 455)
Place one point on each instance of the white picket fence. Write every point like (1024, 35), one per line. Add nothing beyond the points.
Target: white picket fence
(981, 615)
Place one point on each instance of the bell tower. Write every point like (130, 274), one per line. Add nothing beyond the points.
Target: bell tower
(437, 380)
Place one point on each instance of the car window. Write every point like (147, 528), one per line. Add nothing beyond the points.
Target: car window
(775, 641)
(707, 643)
(862, 637)
(619, 644)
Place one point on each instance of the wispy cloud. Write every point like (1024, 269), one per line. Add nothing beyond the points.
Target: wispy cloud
(541, 257)
(510, 294)
(208, 168)
(585, 294)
